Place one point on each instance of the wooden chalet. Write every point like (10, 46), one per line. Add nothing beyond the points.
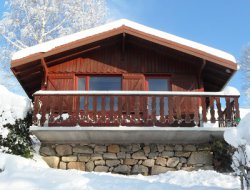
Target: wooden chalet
(126, 74)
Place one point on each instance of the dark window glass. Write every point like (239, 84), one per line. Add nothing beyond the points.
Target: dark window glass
(105, 83)
(158, 84)
(81, 86)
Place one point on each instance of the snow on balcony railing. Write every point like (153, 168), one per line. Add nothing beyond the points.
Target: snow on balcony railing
(135, 108)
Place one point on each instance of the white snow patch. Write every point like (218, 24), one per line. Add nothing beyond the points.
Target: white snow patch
(65, 116)
(47, 46)
(229, 90)
(239, 135)
(20, 173)
(12, 106)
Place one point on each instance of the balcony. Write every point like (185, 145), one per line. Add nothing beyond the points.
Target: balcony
(134, 109)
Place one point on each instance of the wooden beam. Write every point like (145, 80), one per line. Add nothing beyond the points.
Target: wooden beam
(45, 69)
(72, 55)
(123, 46)
(30, 75)
(200, 82)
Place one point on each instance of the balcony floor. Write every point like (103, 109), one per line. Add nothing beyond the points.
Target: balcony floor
(126, 135)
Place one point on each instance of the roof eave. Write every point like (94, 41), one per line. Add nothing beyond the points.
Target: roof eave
(125, 29)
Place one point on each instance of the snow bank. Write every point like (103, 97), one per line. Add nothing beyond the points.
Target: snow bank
(239, 135)
(20, 173)
(239, 138)
(47, 46)
(12, 106)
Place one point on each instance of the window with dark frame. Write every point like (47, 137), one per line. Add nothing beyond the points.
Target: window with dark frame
(99, 83)
(158, 84)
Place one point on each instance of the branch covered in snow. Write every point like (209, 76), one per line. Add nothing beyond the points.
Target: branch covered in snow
(27, 23)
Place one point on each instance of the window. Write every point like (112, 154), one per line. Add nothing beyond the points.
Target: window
(105, 83)
(157, 84)
(99, 83)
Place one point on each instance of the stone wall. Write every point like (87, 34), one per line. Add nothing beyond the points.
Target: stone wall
(143, 159)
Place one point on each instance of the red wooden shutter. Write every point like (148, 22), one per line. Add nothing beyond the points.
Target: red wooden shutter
(184, 83)
(133, 82)
(61, 83)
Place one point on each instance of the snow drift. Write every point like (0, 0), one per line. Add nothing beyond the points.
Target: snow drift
(20, 173)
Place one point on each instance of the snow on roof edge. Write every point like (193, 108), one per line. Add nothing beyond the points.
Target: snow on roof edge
(47, 46)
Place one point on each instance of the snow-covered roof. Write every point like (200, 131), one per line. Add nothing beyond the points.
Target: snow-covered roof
(50, 45)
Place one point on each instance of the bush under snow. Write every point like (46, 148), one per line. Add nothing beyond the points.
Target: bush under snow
(239, 138)
(14, 123)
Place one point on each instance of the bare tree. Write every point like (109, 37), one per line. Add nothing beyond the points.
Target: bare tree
(29, 22)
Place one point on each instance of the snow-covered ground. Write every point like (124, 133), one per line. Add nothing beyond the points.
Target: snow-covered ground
(26, 174)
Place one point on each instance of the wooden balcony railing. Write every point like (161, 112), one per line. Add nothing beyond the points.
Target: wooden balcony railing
(133, 108)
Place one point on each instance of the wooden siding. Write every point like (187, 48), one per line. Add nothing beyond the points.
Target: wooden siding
(133, 64)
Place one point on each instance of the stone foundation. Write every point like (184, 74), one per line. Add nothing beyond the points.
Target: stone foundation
(143, 159)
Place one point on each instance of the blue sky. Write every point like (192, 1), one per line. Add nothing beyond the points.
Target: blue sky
(222, 24)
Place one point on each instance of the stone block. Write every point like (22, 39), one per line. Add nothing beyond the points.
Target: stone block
(183, 160)
(149, 162)
(52, 161)
(153, 148)
(99, 162)
(146, 149)
(160, 148)
(83, 149)
(100, 149)
(69, 158)
(182, 154)
(161, 161)
(96, 157)
(112, 163)
(179, 165)
(139, 155)
(167, 154)
(139, 169)
(128, 155)
(84, 157)
(129, 161)
(191, 148)
(76, 166)
(136, 147)
(113, 148)
(126, 148)
(64, 150)
(153, 155)
(203, 157)
(178, 147)
(109, 156)
(47, 151)
(63, 165)
(160, 169)
(101, 169)
(188, 168)
(204, 147)
(121, 155)
(173, 162)
(122, 169)
(169, 147)
(90, 166)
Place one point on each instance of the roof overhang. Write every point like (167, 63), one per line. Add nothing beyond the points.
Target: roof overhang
(33, 55)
